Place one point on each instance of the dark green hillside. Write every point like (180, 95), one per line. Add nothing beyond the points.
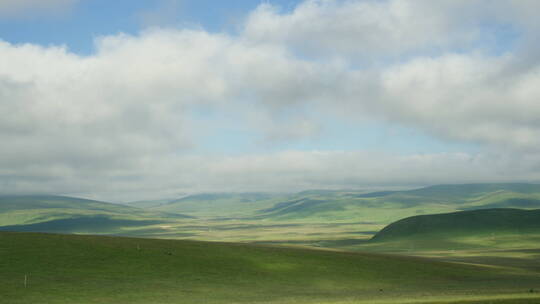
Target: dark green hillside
(90, 269)
(508, 238)
(462, 223)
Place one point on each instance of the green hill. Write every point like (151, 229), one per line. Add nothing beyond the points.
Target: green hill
(90, 269)
(506, 238)
(148, 203)
(486, 221)
(74, 215)
(219, 204)
(381, 208)
(314, 218)
(384, 207)
(464, 191)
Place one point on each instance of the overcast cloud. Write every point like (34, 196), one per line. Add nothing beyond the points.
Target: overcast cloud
(118, 124)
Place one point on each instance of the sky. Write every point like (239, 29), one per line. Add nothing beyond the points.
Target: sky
(130, 100)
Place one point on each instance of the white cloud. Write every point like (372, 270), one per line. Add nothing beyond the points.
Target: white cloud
(465, 97)
(121, 120)
(463, 70)
(128, 104)
(366, 28)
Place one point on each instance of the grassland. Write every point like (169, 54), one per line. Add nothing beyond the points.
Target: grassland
(221, 205)
(94, 269)
(310, 218)
(492, 265)
(501, 238)
(74, 215)
(464, 223)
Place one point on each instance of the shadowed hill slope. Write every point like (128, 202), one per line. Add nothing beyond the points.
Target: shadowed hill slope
(462, 223)
(74, 215)
(30, 202)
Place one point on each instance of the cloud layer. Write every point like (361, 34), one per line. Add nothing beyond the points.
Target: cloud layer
(120, 123)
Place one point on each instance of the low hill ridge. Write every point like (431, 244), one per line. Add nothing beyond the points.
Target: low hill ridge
(50, 213)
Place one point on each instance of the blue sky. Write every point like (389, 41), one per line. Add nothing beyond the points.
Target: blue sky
(86, 20)
(242, 95)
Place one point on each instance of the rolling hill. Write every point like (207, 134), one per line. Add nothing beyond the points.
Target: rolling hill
(74, 215)
(388, 206)
(219, 204)
(382, 207)
(313, 218)
(507, 238)
(467, 191)
(91, 269)
(464, 223)
(148, 203)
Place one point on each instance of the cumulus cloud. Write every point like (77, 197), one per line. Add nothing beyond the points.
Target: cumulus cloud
(461, 70)
(367, 28)
(465, 97)
(120, 120)
(128, 104)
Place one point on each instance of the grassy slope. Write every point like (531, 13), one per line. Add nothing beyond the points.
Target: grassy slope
(90, 269)
(220, 204)
(464, 223)
(315, 218)
(148, 203)
(73, 215)
(389, 206)
(507, 238)
(378, 208)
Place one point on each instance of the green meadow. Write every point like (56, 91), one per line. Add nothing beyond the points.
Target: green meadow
(310, 218)
(97, 269)
(443, 244)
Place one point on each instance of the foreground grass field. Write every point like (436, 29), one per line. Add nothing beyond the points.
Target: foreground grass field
(94, 269)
